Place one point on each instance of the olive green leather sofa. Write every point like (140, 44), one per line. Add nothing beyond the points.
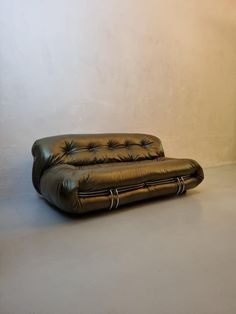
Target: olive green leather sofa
(80, 173)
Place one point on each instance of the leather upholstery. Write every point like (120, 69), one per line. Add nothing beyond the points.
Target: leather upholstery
(81, 173)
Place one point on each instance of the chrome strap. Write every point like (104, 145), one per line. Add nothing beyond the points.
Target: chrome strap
(112, 199)
(117, 198)
(181, 185)
(114, 196)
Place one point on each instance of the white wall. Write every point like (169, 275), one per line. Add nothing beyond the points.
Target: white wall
(73, 66)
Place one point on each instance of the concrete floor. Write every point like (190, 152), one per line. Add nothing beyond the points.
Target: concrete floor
(169, 256)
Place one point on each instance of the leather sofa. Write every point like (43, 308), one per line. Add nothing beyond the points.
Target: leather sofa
(88, 172)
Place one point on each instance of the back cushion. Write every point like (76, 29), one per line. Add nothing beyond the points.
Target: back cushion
(87, 149)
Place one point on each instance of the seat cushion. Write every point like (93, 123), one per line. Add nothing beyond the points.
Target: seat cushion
(59, 183)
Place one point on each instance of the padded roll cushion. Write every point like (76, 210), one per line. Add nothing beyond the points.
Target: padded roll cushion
(105, 178)
(88, 149)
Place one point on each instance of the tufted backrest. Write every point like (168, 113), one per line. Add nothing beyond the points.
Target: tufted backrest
(87, 149)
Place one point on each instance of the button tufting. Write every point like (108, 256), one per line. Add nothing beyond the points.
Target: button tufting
(145, 143)
(92, 147)
(70, 147)
(112, 144)
(128, 143)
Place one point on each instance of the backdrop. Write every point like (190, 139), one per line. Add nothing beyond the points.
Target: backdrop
(162, 67)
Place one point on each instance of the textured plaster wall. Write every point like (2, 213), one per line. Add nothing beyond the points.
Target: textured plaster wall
(161, 67)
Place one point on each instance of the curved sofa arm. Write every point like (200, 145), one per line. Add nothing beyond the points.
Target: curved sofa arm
(199, 173)
(59, 186)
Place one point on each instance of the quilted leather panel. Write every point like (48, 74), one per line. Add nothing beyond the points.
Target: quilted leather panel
(85, 149)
